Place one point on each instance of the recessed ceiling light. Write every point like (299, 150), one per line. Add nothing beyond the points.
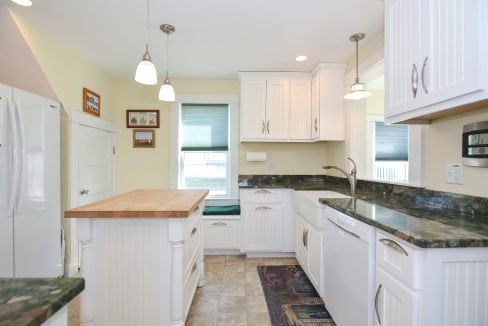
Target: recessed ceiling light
(24, 3)
(301, 58)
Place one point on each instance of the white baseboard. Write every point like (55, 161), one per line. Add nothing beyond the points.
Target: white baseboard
(270, 254)
(220, 252)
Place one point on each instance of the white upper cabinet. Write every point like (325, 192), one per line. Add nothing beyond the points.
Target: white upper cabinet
(253, 114)
(278, 109)
(293, 107)
(301, 109)
(434, 52)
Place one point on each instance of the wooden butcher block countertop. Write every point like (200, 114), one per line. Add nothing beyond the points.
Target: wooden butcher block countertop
(150, 203)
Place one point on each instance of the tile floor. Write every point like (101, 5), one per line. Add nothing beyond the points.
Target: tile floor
(232, 295)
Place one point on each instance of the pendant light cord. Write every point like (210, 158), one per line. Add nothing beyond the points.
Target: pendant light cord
(357, 61)
(147, 25)
(167, 55)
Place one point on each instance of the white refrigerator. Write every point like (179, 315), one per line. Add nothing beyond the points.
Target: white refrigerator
(30, 225)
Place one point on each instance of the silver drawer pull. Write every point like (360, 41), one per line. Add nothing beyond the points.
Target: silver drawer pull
(262, 191)
(394, 245)
(219, 224)
(194, 231)
(340, 227)
(262, 208)
(376, 304)
(194, 268)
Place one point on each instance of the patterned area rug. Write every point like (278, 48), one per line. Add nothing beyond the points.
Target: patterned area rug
(291, 298)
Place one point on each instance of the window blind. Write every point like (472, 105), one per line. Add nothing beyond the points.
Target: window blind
(205, 127)
(391, 142)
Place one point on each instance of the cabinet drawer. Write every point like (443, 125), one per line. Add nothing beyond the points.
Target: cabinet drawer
(193, 219)
(221, 234)
(401, 260)
(190, 285)
(192, 245)
(261, 196)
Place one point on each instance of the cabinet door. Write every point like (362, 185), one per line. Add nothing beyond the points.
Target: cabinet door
(402, 56)
(278, 109)
(316, 106)
(395, 304)
(253, 109)
(262, 227)
(301, 109)
(451, 34)
(301, 249)
(315, 257)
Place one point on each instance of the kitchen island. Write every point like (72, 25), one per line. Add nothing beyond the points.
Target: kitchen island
(141, 257)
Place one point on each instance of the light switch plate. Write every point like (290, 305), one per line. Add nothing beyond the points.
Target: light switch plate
(455, 174)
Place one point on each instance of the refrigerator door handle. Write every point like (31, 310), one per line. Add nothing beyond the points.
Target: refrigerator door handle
(15, 159)
(22, 157)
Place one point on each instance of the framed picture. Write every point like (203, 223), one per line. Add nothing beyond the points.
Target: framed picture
(143, 138)
(142, 118)
(91, 102)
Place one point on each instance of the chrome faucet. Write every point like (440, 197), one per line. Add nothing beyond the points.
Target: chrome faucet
(351, 176)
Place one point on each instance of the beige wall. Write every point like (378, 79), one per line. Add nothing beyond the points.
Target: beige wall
(442, 145)
(150, 168)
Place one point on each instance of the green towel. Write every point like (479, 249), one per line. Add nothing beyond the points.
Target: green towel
(222, 210)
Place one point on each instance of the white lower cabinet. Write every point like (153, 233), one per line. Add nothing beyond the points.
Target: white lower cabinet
(395, 304)
(222, 232)
(262, 227)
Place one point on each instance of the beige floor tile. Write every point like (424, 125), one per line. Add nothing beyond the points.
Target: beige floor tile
(214, 267)
(235, 258)
(214, 277)
(258, 319)
(234, 267)
(234, 277)
(214, 259)
(204, 306)
(209, 290)
(256, 304)
(233, 289)
(252, 277)
(231, 319)
(230, 304)
(254, 289)
(202, 320)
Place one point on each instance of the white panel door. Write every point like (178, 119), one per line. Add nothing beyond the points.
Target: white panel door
(395, 304)
(278, 109)
(262, 227)
(300, 109)
(95, 164)
(315, 245)
(450, 49)
(6, 217)
(301, 249)
(402, 56)
(37, 220)
(253, 109)
(315, 106)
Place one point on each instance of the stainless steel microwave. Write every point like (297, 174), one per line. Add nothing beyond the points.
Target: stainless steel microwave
(475, 144)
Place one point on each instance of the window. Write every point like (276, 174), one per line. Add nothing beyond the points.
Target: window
(204, 153)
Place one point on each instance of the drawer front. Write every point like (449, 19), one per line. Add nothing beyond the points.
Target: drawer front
(261, 196)
(193, 219)
(399, 259)
(221, 234)
(191, 281)
(192, 245)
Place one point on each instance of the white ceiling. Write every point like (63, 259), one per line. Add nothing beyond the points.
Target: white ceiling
(213, 38)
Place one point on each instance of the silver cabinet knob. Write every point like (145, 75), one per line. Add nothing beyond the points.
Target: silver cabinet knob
(84, 192)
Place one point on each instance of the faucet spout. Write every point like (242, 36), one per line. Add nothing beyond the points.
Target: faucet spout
(351, 176)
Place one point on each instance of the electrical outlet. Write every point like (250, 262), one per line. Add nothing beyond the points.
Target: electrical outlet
(455, 174)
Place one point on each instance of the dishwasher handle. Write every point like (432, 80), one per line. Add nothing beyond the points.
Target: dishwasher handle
(343, 229)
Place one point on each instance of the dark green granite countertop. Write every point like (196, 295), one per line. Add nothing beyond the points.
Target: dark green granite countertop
(32, 301)
(425, 227)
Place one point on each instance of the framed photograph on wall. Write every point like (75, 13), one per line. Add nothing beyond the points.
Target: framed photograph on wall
(142, 118)
(91, 102)
(143, 138)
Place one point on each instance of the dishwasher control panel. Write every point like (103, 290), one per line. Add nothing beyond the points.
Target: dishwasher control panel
(345, 221)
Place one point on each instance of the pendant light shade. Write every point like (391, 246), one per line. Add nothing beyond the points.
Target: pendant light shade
(358, 89)
(146, 71)
(167, 92)
(24, 3)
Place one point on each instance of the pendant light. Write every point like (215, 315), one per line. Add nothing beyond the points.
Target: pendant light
(167, 93)
(358, 90)
(146, 71)
(23, 3)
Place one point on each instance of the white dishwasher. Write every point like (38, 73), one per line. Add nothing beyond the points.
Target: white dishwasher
(349, 269)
